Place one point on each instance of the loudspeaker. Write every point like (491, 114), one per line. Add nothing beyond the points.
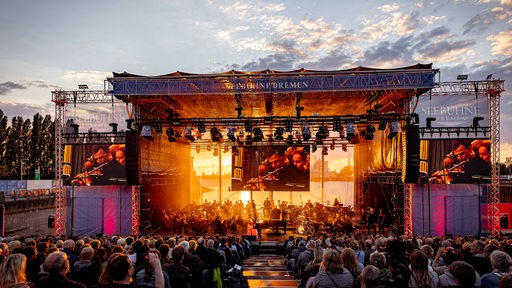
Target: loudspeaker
(411, 169)
(2, 220)
(133, 176)
(51, 221)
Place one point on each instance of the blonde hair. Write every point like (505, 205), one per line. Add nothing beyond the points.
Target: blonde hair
(331, 261)
(349, 261)
(13, 270)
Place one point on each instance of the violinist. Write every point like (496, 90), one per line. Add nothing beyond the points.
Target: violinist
(101, 169)
(268, 171)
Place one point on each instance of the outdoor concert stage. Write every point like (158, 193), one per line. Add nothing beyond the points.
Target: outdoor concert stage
(385, 119)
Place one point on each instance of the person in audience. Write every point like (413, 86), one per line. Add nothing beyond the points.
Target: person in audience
(152, 275)
(57, 267)
(118, 272)
(420, 274)
(12, 272)
(460, 274)
(332, 274)
(501, 264)
(307, 277)
(349, 261)
(370, 277)
(179, 274)
(86, 271)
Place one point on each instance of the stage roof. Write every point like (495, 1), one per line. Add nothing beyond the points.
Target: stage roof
(273, 93)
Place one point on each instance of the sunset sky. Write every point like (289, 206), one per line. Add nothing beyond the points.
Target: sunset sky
(48, 45)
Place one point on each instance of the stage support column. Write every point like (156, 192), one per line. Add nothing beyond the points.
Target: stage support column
(323, 200)
(220, 173)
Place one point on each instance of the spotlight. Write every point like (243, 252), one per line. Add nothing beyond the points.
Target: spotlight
(325, 151)
(146, 131)
(209, 147)
(429, 122)
(257, 134)
(158, 127)
(313, 148)
(351, 130)
(332, 145)
(278, 134)
(231, 134)
(344, 147)
(323, 132)
(129, 124)
(215, 134)
(171, 133)
(476, 121)
(394, 129)
(198, 148)
(289, 140)
(215, 151)
(75, 128)
(226, 148)
(113, 125)
(368, 132)
(188, 134)
(306, 133)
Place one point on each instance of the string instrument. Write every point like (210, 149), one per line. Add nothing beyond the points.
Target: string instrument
(259, 182)
(446, 175)
(86, 178)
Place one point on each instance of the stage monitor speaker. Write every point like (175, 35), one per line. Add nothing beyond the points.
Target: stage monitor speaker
(133, 176)
(51, 221)
(411, 169)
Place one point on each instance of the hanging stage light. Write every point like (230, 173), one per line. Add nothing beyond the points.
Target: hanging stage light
(289, 140)
(75, 128)
(382, 124)
(344, 147)
(171, 133)
(215, 134)
(476, 121)
(394, 128)
(306, 133)
(429, 122)
(368, 132)
(146, 131)
(278, 134)
(198, 148)
(323, 132)
(336, 124)
(188, 134)
(288, 124)
(257, 134)
(200, 127)
(113, 125)
(231, 133)
(158, 128)
(248, 126)
(333, 144)
(351, 130)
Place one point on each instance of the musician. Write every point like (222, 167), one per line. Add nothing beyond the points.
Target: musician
(275, 217)
(470, 163)
(269, 172)
(267, 205)
(104, 167)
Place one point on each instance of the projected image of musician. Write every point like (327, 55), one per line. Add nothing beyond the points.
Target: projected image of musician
(283, 170)
(468, 162)
(103, 167)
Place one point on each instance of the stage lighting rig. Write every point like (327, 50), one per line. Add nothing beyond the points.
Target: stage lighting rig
(75, 128)
(476, 121)
(146, 131)
(201, 128)
(288, 124)
(113, 125)
(306, 133)
(383, 122)
(429, 122)
(248, 126)
(289, 139)
(336, 124)
(215, 134)
(325, 151)
(278, 134)
(171, 134)
(368, 132)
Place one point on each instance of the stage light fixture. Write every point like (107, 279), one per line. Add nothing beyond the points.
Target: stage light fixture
(171, 134)
(130, 124)
(394, 128)
(83, 86)
(146, 131)
(313, 148)
(198, 148)
(278, 134)
(383, 122)
(333, 144)
(201, 128)
(209, 147)
(231, 134)
(476, 121)
(215, 134)
(188, 134)
(323, 132)
(257, 134)
(351, 130)
(114, 127)
(325, 151)
(226, 148)
(158, 128)
(75, 128)
(344, 147)
(288, 124)
(289, 140)
(429, 122)
(306, 133)
(462, 77)
(368, 132)
(215, 151)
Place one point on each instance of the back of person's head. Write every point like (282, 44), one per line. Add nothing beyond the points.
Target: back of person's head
(331, 261)
(185, 245)
(210, 243)
(463, 273)
(12, 270)
(501, 261)
(428, 250)
(177, 253)
(419, 261)
(489, 248)
(56, 263)
(68, 244)
(164, 250)
(118, 266)
(42, 247)
(200, 241)
(311, 245)
(506, 281)
(370, 277)
(87, 253)
(378, 260)
(30, 252)
(452, 255)
(354, 244)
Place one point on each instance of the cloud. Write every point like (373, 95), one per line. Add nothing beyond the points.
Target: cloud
(501, 43)
(9, 86)
(447, 51)
(507, 3)
(26, 111)
(92, 78)
(482, 22)
(389, 8)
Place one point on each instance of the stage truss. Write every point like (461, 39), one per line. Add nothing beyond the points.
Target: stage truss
(492, 88)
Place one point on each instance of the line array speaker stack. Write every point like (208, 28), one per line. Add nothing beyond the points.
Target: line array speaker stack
(133, 176)
(411, 169)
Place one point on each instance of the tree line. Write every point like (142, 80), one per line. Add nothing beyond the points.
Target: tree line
(25, 146)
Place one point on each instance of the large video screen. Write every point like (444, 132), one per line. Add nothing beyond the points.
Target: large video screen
(270, 168)
(458, 161)
(94, 164)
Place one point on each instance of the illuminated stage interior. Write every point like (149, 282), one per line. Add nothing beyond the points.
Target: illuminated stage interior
(186, 135)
